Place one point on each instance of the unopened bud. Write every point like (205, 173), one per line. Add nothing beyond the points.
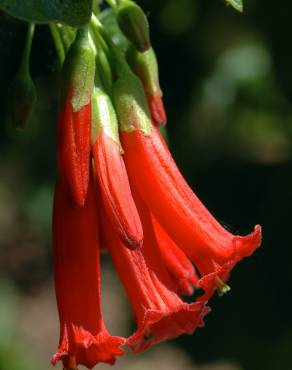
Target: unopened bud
(145, 66)
(22, 92)
(21, 101)
(134, 24)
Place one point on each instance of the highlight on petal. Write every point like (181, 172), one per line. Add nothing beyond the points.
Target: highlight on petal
(115, 191)
(83, 336)
(73, 152)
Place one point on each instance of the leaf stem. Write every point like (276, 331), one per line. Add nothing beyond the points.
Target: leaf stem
(58, 43)
(112, 3)
(27, 49)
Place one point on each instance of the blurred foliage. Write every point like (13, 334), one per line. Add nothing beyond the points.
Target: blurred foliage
(227, 85)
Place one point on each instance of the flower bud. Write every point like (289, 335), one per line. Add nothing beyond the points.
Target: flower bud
(145, 66)
(134, 24)
(111, 174)
(22, 92)
(21, 101)
(73, 149)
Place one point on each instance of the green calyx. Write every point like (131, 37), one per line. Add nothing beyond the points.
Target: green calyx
(146, 68)
(131, 105)
(134, 24)
(127, 90)
(78, 71)
(104, 117)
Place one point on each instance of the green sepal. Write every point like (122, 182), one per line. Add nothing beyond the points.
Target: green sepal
(236, 4)
(78, 71)
(146, 68)
(134, 24)
(104, 117)
(131, 104)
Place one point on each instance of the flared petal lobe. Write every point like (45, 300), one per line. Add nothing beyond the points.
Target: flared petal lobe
(83, 336)
(160, 313)
(191, 226)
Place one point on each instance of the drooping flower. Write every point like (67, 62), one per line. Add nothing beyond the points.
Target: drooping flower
(163, 241)
(73, 147)
(83, 336)
(159, 311)
(111, 172)
(151, 168)
(178, 210)
(134, 24)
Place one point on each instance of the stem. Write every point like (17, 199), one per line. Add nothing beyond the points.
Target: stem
(100, 32)
(58, 43)
(95, 7)
(112, 3)
(27, 49)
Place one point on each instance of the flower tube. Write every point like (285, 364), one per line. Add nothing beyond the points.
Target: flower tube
(175, 206)
(110, 172)
(83, 336)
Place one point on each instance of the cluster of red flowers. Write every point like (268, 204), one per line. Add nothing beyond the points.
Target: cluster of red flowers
(119, 189)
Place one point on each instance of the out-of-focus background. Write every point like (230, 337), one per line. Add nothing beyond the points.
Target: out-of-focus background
(227, 82)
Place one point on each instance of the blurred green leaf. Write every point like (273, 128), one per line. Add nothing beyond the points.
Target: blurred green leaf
(237, 4)
(72, 12)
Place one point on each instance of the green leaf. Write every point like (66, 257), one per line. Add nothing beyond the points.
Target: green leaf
(237, 4)
(75, 13)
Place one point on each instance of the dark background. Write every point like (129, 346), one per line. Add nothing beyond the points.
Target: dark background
(227, 82)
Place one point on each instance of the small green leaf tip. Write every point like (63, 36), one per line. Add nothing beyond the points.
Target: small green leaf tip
(237, 4)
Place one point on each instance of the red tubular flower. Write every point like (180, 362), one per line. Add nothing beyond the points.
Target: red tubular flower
(83, 336)
(186, 220)
(111, 174)
(73, 147)
(160, 312)
(177, 263)
(74, 150)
